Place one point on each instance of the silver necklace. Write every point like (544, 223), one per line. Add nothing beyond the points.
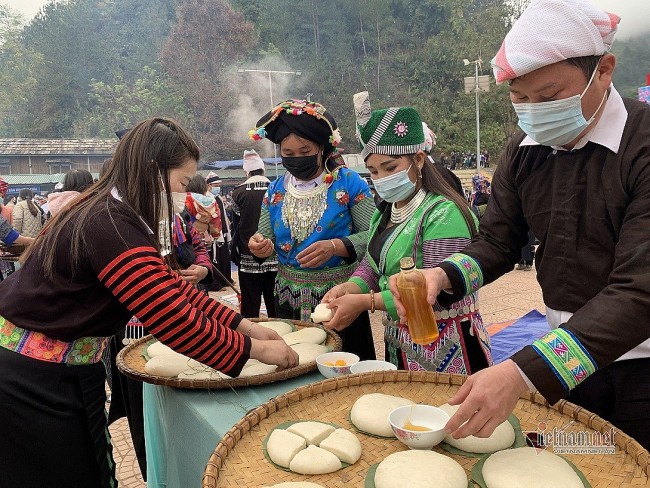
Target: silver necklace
(399, 215)
(301, 210)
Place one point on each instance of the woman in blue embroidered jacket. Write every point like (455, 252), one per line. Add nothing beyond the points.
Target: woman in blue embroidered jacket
(315, 217)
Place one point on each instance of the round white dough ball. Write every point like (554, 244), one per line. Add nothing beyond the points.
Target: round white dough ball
(321, 314)
(166, 365)
(158, 348)
(282, 446)
(282, 328)
(312, 335)
(420, 469)
(258, 368)
(295, 484)
(527, 467)
(307, 353)
(314, 460)
(370, 413)
(312, 432)
(344, 444)
(205, 374)
(502, 438)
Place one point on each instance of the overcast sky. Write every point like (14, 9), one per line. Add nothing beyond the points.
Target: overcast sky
(634, 13)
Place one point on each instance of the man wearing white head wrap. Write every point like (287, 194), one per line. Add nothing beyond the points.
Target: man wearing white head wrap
(550, 31)
(252, 161)
(256, 276)
(579, 178)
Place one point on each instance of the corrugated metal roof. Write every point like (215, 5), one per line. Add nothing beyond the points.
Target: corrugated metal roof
(46, 147)
(33, 179)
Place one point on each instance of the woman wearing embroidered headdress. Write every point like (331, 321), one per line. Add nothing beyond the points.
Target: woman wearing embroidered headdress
(316, 216)
(421, 217)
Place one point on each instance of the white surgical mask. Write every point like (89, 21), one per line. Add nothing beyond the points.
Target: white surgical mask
(395, 187)
(179, 201)
(558, 122)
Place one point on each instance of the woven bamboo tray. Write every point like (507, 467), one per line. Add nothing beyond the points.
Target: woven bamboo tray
(131, 362)
(238, 460)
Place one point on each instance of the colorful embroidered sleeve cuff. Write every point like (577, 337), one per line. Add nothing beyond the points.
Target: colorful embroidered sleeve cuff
(469, 270)
(566, 356)
(389, 303)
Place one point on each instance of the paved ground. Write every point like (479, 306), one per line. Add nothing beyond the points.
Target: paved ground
(508, 298)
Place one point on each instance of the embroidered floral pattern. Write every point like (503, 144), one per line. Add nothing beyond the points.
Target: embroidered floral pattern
(401, 129)
(286, 246)
(360, 197)
(277, 198)
(85, 350)
(566, 356)
(342, 196)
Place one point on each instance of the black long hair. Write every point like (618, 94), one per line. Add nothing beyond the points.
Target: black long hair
(27, 195)
(139, 172)
(434, 182)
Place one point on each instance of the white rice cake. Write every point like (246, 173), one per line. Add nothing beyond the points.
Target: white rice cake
(321, 314)
(166, 365)
(282, 446)
(295, 484)
(370, 413)
(420, 469)
(205, 374)
(344, 445)
(307, 353)
(312, 335)
(502, 438)
(312, 432)
(158, 348)
(526, 467)
(282, 328)
(257, 368)
(314, 460)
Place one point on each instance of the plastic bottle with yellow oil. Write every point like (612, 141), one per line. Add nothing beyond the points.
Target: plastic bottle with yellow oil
(420, 318)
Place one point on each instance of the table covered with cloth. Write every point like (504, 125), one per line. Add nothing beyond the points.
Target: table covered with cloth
(183, 427)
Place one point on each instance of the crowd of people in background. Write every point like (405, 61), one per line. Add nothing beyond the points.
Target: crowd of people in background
(457, 160)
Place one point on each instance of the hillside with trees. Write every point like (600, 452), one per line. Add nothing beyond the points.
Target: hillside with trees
(84, 68)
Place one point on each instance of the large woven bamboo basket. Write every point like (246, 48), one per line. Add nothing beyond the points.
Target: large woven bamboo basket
(238, 460)
(131, 362)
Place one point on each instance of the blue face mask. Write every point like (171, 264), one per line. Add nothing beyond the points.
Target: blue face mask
(558, 122)
(395, 187)
(215, 191)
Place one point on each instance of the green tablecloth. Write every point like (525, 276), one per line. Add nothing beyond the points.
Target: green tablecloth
(182, 427)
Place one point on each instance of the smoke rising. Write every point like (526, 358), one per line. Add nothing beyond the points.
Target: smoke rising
(254, 97)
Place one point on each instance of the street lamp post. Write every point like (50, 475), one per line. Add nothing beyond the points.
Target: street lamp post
(269, 72)
(479, 83)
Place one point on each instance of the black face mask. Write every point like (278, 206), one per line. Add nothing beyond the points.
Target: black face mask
(302, 167)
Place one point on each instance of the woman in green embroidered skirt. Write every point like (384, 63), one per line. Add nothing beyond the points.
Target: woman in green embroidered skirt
(421, 217)
(315, 217)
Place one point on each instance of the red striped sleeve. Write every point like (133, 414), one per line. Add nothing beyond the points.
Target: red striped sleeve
(175, 312)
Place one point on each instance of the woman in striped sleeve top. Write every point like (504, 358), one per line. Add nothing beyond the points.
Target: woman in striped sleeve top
(421, 217)
(96, 264)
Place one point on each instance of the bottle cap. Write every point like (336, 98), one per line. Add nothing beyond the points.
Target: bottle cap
(406, 263)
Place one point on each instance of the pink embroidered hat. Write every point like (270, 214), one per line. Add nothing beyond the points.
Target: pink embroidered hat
(550, 31)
